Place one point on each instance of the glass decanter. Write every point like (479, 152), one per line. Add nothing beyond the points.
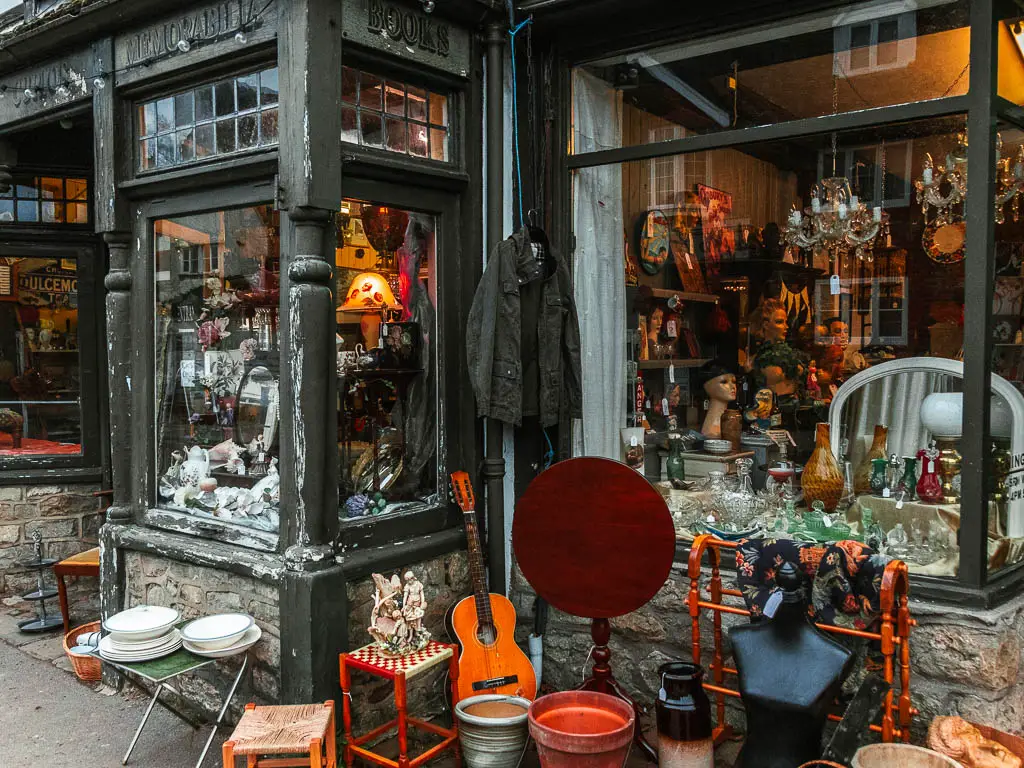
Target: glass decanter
(929, 485)
(897, 543)
(871, 532)
(735, 509)
(878, 477)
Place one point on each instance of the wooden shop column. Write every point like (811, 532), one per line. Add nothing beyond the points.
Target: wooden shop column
(309, 194)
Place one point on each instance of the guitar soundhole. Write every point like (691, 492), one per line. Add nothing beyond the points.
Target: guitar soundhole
(486, 634)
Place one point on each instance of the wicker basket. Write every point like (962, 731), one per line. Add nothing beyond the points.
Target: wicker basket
(87, 666)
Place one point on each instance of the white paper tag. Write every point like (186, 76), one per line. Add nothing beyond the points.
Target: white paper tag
(931, 465)
(885, 493)
(827, 520)
(188, 373)
(633, 442)
(899, 502)
(664, 406)
(833, 285)
(772, 603)
(671, 373)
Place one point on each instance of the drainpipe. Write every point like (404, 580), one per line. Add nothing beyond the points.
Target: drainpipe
(494, 461)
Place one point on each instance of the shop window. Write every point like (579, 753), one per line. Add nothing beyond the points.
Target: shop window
(237, 114)
(45, 200)
(217, 365)
(387, 359)
(40, 382)
(815, 65)
(394, 116)
(772, 284)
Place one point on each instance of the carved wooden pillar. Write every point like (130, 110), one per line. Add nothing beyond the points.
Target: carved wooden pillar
(308, 395)
(118, 283)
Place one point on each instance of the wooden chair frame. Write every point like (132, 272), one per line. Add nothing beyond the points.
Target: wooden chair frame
(893, 634)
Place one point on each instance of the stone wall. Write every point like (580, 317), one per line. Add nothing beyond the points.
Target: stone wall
(445, 581)
(69, 518)
(196, 591)
(963, 662)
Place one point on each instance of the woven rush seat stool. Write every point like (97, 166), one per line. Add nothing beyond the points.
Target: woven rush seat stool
(399, 669)
(291, 729)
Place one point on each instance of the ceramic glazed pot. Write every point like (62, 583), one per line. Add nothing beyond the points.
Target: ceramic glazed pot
(822, 481)
(492, 730)
(862, 477)
(684, 718)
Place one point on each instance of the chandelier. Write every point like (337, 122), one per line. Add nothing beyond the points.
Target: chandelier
(836, 224)
(952, 177)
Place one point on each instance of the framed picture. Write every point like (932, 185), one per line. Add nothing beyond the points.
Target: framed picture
(1008, 297)
(654, 241)
(718, 237)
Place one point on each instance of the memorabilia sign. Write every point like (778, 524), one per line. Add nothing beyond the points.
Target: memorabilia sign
(719, 239)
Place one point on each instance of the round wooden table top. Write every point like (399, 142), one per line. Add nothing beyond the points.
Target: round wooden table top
(593, 538)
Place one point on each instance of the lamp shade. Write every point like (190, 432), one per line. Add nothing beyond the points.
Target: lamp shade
(369, 292)
(942, 414)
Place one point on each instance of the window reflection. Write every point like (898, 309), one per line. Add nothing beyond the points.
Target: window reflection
(217, 363)
(387, 331)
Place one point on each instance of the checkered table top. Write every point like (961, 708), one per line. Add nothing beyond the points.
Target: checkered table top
(371, 658)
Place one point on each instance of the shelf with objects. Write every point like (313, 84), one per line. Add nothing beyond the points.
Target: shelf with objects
(386, 332)
(759, 283)
(217, 357)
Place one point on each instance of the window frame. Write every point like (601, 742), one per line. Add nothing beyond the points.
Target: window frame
(453, 452)
(144, 470)
(91, 267)
(973, 585)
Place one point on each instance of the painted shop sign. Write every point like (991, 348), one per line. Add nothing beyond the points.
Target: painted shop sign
(53, 85)
(206, 30)
(50, 286)
(407, 32)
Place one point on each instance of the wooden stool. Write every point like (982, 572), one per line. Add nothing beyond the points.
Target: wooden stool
(400, 669)
(83, 564)
(294, 729)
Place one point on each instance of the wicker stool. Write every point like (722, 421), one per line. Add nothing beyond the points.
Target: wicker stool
(295, 729)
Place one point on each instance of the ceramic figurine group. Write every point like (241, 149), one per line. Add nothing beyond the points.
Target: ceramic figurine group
(396, 621)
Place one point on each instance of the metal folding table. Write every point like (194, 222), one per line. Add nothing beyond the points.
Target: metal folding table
(160, 672)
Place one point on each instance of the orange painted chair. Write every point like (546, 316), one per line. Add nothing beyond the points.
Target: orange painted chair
(399, 669)
(265, 733)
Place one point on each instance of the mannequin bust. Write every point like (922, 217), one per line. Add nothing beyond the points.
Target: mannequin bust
(789, 673)
(720, 388)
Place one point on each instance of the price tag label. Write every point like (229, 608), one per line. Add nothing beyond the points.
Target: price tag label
(633, 442)
(671, 373)
(834, 286)
(664, 406)
(772, 603)
(827, 520)
(885, 493)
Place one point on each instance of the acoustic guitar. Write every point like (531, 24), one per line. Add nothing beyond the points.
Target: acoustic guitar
(485, 624)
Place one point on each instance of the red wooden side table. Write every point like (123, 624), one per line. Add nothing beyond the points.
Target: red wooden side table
(399, 669)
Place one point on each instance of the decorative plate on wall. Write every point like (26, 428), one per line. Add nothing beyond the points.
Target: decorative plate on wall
(944, 241)
(654, 242)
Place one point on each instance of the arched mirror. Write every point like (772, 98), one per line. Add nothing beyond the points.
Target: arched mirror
(257, 407)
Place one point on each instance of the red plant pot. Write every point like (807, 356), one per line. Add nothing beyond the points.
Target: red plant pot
(581, 729)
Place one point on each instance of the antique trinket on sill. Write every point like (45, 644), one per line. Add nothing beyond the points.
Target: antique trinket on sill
(396, 621)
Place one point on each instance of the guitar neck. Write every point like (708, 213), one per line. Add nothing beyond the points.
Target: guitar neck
(476, 570)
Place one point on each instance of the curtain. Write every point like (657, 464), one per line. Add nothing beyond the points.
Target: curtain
(895, 402)
(598, 269)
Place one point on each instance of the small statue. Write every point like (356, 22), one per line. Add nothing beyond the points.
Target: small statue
(397, 615)
(955, 737)
(760, 414)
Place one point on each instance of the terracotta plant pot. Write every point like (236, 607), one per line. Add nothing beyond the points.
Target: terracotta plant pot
(821, 480)
(581, 729)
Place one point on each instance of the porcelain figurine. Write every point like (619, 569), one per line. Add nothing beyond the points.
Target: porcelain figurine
(397, 615)
(170, 479)
(195, 467)
(958, 739)
(760, 414)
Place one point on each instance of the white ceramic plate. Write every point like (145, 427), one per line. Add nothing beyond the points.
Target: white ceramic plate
(214, 633)
(111, 654)
(251, 636)
(143, 622)
(143, 645)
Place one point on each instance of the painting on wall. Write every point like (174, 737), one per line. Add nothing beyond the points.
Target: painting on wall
(719, 239)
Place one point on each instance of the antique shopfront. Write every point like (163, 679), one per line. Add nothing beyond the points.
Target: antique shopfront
(265, 456)
(770, 222)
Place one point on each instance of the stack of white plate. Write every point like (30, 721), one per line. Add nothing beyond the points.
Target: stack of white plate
(220, 635)
(142, 633)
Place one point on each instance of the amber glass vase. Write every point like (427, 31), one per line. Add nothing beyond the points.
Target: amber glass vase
(862, 477)
(822, 479)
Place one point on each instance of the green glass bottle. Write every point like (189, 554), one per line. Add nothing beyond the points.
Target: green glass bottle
(675, 467)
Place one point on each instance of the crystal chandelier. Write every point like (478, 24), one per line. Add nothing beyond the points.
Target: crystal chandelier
(952, 177)
(837, 223)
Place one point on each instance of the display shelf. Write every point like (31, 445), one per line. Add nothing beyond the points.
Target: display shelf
(668, 293)
(649, 365)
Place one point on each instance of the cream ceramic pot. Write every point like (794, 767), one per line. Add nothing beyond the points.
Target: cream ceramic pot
(195, 467)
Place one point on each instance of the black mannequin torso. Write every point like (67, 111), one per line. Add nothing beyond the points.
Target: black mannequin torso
(789, 673)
